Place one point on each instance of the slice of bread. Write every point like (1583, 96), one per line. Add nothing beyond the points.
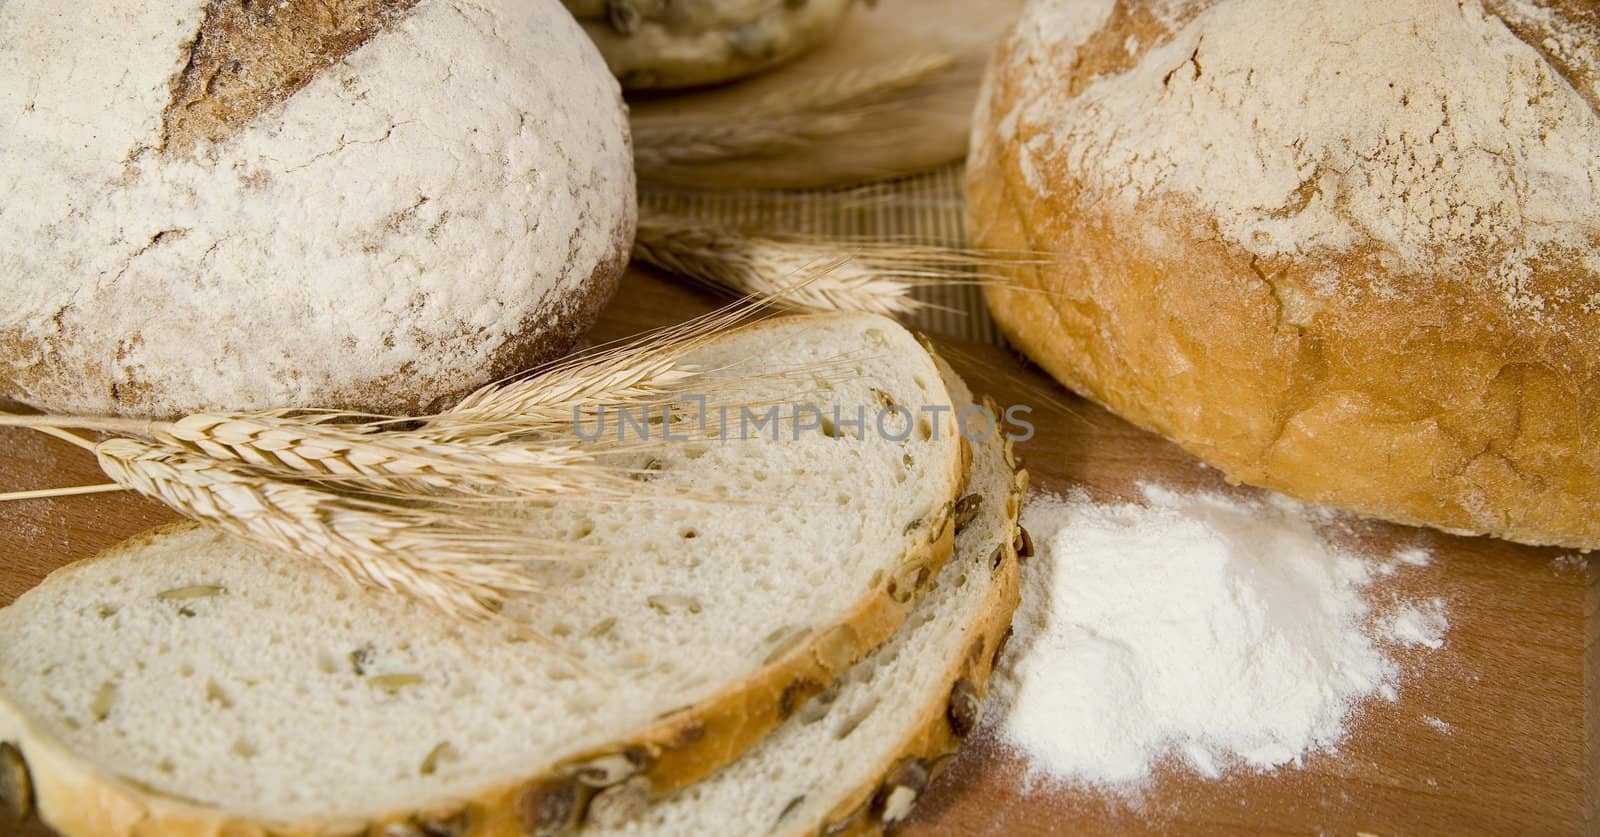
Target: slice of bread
(183, 683)
(857, 757)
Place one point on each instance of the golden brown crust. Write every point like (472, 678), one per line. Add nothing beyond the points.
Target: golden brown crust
(1451, 413)
(931, 744)
(249, 56)
(1132, 30)
(680, 748)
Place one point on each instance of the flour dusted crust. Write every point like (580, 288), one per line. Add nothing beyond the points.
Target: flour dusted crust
(662, 44)
(370, 204)
(1346, 250)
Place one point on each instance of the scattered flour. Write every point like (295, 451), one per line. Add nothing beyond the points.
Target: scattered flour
(1194, 628)
(1421, 625)
(1413, 557)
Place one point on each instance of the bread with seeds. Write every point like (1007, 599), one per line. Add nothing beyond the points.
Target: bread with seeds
(368, 204)
(661, 44)
(859, 756)
(186, 684)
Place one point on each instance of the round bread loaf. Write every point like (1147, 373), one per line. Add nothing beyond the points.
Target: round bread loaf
(1346, 249)
(365, 204)
(663, 44)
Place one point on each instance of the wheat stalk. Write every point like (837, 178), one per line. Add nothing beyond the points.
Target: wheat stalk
(390, 510)
(830, 281)
(827, 109)
(413, 506)
(387, 509)
(813, 273)
(362, 454)
(565, 395)
(365, 457)
(867, 84)
(645, 371)
(434, 558)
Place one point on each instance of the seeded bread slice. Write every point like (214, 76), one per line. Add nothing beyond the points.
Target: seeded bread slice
(186, 684)
(857, 757)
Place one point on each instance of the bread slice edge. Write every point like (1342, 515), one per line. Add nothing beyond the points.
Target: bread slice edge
(849, 765)
(930, 746)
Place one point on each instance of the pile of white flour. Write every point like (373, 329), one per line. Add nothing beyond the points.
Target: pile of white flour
(1198, 629)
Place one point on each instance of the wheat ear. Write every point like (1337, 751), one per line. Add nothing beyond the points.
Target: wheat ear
(362, 456)
(565, 395)
(644, 371)
(416, 552)
(813, 273)
(828, 279)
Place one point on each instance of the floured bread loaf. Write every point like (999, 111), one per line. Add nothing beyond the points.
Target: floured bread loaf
(683, 43)
(186, 684)
(1346, 249)
(859, 756)
(371, 204)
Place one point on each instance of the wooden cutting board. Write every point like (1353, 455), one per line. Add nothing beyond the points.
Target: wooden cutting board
(1517, 682)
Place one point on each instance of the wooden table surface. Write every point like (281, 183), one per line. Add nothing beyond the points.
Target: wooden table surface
(1516, 681)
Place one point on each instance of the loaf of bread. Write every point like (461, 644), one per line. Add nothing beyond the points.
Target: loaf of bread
(369, 204)
(1346, 249)
(660, 44)
(184, 683)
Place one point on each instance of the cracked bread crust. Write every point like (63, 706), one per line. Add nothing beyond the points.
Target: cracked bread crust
(249, 56)
(367, 204)
(1420, 390)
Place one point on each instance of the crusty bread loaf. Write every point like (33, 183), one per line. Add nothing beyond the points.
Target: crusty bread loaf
(371, 204)
(1345, 249)
(661, 44)
(855, 759)
(187, 684)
